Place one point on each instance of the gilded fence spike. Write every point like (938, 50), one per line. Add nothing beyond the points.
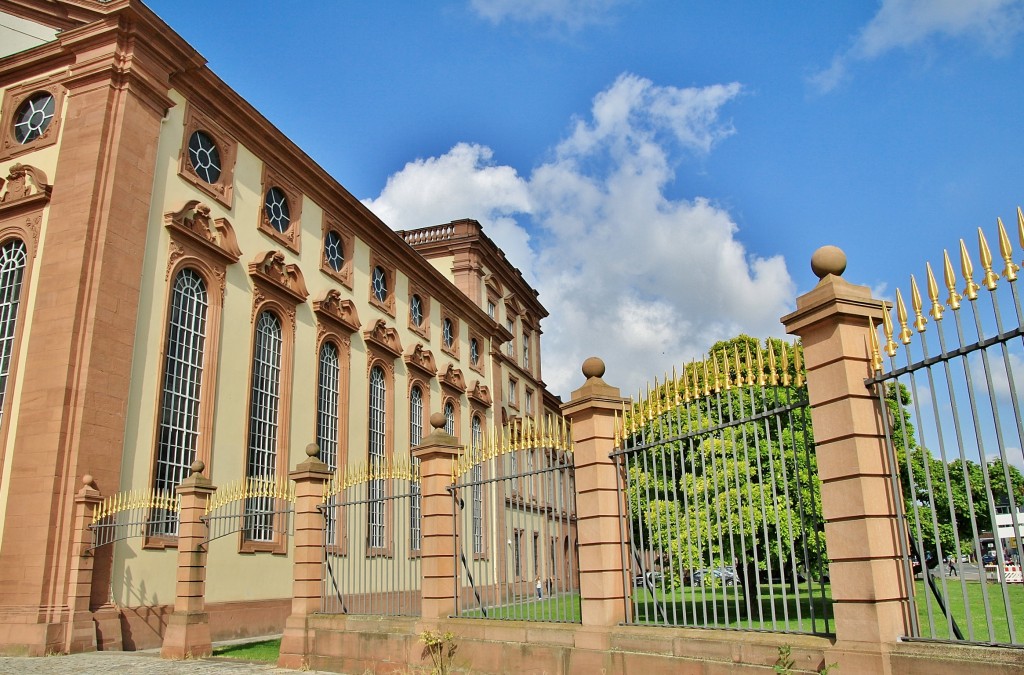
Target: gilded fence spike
(890, 344)
(933, 294)
(950, 278)
(876, 353)
(967, 268)
(1020, 226)
(901, 315)
(656, 401)
(785, 367)
(798, 366)
(736, 362)
(920, 323)
(991, 279)
(773, 372)
(1006, 251)
(707, 379)
(715, 373)
(616, 442)
(760, 365)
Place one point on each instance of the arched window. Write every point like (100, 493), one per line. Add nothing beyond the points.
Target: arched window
(376, 455)
(327, 406)
(415, 437)
(13, 258)
(265, 401)
(478, 487)
(178, 430)
(449, 418)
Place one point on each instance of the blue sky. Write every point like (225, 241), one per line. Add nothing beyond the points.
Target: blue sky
(660, 170)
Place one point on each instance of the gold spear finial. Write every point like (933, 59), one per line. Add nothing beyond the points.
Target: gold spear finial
(1006, 251)
(798, 366)
(950, 278)
(736, 362)
(717, 374)
(1020, 226)
(760, 365)
(920, 323)
(967, 268)
(876, 353)
(773, 373)
(751, 375)
(890, 344)
(785, 367)
(991, 279)
(901, 315)
(707, 379)
(933, 295)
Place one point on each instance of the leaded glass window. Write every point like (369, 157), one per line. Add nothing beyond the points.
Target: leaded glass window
(380, 284)
(377, 456)
(415, 437)
(204, 156)
(334, 251)
(448, 333)
(265, 401)
(13, 258)
(33, 117)
(178, 432)
(474, 351)
(275, 206)
(416, 310)
(478, 489)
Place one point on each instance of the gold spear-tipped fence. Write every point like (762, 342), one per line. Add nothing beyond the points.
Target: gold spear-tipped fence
(548, 434)
(142, 500)
(360, 473)
(251, 488)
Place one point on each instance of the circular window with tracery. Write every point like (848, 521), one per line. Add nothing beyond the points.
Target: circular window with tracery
(204, 156)
(33, 117)
(334, 251)
(275, 206)
(474, 351)
(380, 284)
(416, 310)
(448, 333)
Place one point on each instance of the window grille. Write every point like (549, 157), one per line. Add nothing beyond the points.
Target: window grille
(415, 437)
(376, 452)
(12, 270)
(178, 432)
(449, 418)
(263, 421)
(478, 490)
(327, 420)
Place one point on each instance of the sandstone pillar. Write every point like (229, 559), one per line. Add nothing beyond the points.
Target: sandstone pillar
(81, 633)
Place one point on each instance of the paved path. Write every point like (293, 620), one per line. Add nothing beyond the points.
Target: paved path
(143, 663)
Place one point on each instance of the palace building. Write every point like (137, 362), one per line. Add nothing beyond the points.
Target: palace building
(179, 282)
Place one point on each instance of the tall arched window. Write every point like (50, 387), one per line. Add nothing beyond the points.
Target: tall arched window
(449, 418)
(265, 401)
(415, 437)
(178, 430)
(13, 258)
(327, 406)
(376, 455)
(478, 487)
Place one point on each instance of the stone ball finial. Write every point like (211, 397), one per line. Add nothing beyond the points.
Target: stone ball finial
(438, 420)
(312, 450)
(198, 466)
(828, 260)
(593, 367)
(87, 480)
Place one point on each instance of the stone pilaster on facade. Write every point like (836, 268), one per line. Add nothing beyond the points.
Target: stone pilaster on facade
(592, 410)
(437, 453)
(307, 565)
(81, 633)
(188, 628)
(858, 502)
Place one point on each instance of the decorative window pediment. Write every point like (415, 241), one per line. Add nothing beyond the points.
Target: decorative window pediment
(331, 308)
(25, 186)
(453, 378)
(481, 394)
(421, 359)
(384, 337)
(269, 267)
(194, 224)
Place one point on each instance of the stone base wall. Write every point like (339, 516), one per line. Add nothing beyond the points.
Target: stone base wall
(143, 627)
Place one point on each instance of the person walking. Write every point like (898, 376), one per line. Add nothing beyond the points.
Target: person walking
(538, 587)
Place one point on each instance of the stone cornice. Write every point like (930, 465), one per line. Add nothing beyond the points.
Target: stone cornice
(421, 359)
(453, 379)
(216, 236)
(269, 267)
(332, 309)
(384, 337)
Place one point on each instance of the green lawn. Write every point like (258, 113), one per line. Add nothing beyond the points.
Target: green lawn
(564, 607)
(267, 650)
(1000, 628)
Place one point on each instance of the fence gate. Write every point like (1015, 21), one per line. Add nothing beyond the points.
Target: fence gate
(513, 500)
(372, 541)
(718, 479)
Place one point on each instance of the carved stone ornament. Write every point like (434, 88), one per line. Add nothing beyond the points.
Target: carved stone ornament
(453, 378)
(481, 394)
(384, 337)
(269, 267)
(422, 360)
(192, 222)
(333, 310)
(24, 181)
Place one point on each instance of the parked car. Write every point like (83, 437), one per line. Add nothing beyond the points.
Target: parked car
(652, 579)
(725, 575)
(989, 558)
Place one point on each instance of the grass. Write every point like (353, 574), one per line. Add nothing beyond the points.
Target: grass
(999, 631)
(265, 650)
(564, 607)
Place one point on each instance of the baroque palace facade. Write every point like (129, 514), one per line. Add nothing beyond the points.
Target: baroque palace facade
(179, 281)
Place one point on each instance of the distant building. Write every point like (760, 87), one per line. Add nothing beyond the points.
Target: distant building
(180, 281)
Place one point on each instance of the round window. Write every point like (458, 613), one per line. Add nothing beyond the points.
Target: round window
(380, 284)
(416, 310)
(474, 351)
(205, 157)
(334, 251)
(33, 117)
(275, 206)
(448, 333)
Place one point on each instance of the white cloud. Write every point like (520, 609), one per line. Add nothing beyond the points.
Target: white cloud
(903, 24)
(641, 280)
(573, 14)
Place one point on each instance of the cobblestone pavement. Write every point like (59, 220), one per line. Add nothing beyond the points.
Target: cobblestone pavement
(143, 663)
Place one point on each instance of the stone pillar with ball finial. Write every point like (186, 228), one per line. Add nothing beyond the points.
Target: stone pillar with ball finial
(437, 454)
(309, 477)
(81, 632)
(188, 628)
(835, 321)
(592, 411)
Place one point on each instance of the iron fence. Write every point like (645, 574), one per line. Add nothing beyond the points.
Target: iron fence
(952, 416)
(722, 522)
(261, 508)
(515, 521)
(138, 513)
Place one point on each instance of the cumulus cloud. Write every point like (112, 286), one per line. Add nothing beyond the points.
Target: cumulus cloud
(642, 280)
(573, 14)
(904, 24)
